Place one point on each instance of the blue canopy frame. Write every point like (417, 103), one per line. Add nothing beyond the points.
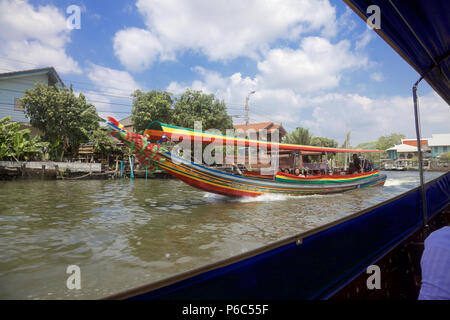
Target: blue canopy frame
(419, 31)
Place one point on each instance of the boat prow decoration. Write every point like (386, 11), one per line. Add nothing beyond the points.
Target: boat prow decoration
(247, 183)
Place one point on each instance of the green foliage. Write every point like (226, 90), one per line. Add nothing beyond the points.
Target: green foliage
(386, 142)
(445, 156)
(103, 142)
(298, 136)
(323, 142)
(150, 106)
(17, 144)
(196, 106)
(190, 106)
(64, 119)
(367, 145)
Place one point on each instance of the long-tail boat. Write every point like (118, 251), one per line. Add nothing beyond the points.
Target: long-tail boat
(150, 153)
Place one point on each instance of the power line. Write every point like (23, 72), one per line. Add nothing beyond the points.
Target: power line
(230, 105)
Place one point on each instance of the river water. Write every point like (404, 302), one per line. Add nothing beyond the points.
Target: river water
(126, 233)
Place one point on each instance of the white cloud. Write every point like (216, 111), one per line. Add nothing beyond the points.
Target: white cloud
(364, 39)
(377, 76)
(113, 82)
(370, 118)
(136, 48)
(316, 65)
(328, 114)
(285, 77)
(234, 89)
(221, 30)
(113, 94)
(34, 37)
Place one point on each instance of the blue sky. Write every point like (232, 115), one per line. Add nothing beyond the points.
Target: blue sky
(312, 63)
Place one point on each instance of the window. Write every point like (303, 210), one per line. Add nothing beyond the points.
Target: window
(17, 105)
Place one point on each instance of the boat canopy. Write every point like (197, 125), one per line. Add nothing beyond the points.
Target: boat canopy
(419, 31)
(156, 130)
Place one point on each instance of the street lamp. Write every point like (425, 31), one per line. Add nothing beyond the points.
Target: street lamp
(246, 121)
(246, 108)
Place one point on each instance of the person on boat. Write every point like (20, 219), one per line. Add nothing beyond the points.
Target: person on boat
(368, 166)
(435, 263)
(355, 166)
(298, 172)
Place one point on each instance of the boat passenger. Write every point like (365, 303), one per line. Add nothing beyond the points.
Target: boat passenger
(435, 263)
(355, 166)
(297, 171)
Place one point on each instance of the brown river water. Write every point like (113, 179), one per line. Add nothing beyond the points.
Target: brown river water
(126, 233)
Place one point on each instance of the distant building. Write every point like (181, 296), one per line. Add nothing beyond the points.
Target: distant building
(126, 122)
(439, 143)
(403, 151)
(406, 153)
(413, 142)
(269, 126)
(14, 84)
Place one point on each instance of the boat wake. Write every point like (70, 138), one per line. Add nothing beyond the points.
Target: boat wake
(267, 197)
(411, 181)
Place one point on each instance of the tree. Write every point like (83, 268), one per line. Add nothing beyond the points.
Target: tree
(445, 156)
(323, 142)
(367, 145)
(386, 142)
(103, 142)
(298, 136)
(196, 106)
(17, 144)
(64, 119)
(151, 106)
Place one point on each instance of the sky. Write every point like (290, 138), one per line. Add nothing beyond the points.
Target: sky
(311, 63)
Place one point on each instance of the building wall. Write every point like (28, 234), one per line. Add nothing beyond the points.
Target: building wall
(14, 87)
(392, 154)
(437, 150)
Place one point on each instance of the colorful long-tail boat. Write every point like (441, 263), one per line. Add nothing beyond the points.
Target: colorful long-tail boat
(150, 153)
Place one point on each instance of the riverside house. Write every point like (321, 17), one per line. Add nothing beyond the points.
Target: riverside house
(13, 86)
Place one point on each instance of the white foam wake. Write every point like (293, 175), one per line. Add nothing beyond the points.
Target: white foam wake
(398, 182)
(267, 197)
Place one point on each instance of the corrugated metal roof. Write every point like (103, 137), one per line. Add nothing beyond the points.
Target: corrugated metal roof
(403, 148)
(413, 142)
(49, 70)
(439, 140)
(126, 121)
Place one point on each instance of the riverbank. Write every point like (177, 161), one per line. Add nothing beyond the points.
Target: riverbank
(434, 169)
(48, 170)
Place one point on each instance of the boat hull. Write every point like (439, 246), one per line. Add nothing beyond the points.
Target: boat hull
(214, 181)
